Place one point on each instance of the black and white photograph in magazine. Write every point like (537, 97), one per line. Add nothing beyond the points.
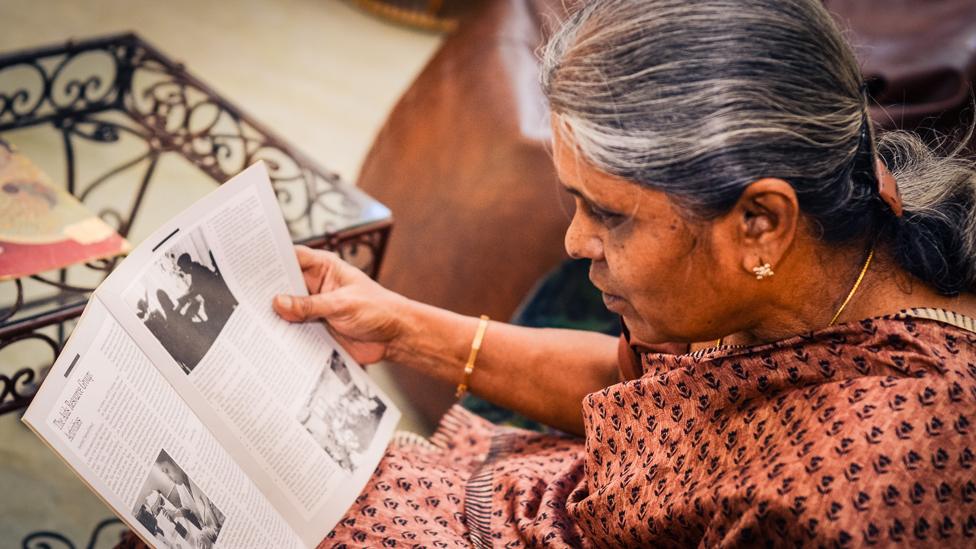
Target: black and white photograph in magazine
(341, 414)
(174, 509)
(183, 299)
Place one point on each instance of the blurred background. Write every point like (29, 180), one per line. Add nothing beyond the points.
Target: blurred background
(343, 66)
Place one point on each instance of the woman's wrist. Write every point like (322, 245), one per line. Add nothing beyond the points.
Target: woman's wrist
(412, 318)
(431, 339)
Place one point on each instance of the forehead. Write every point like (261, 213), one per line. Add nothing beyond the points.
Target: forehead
(580, 177)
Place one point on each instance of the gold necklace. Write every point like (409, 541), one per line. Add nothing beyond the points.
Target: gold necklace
(850, 295)
(857, 284)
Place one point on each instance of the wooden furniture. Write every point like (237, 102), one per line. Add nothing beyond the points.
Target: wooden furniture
(918, 58)
(463, 162)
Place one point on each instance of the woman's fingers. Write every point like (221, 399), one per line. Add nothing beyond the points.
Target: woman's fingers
(357, 342)
(318, 260)
(324, 270)
(308, 258)
(296, 308)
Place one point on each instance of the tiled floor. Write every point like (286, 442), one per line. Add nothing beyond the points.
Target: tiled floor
(318, 72)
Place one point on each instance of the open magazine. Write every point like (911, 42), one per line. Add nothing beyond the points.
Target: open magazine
(200, 417)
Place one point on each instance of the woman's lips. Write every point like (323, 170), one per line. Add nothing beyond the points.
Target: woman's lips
(612, 302)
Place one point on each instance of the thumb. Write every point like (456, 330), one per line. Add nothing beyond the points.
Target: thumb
(298, 308)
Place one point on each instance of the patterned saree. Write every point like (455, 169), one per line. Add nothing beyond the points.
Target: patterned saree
(857, 434)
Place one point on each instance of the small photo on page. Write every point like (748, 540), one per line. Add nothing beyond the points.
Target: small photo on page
(341, 415)
(174, 510)
(183, 299)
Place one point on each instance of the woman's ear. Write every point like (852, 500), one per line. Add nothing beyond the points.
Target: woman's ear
(763, 223)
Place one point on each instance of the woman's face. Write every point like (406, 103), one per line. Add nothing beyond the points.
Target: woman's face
(172, 472)
(655, 269)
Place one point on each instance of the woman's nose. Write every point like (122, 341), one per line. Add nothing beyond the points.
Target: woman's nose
(581, 242)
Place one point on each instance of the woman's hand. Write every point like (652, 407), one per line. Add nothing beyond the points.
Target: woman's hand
(542, 373)
(364, 317)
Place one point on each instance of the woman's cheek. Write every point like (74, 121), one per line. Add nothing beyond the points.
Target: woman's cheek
(625, 267)
(616, 256)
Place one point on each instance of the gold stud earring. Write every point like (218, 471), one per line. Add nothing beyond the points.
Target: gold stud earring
(763, 271)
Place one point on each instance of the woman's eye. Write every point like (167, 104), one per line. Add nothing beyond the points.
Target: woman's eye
(603, 216)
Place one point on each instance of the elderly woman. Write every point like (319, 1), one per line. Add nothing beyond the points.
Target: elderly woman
(812, 284)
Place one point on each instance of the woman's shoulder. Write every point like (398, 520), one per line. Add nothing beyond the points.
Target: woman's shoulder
(910, 343)
(922, 346)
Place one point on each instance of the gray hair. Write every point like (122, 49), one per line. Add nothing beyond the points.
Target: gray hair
(699, 99)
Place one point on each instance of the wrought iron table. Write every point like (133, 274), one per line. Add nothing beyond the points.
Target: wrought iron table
(115, 109)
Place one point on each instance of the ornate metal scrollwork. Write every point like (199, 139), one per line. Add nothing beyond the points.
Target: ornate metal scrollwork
(363, 249)
(187, 117)
(44, 86)
(6, 314)
(16, 390)
(50, 540)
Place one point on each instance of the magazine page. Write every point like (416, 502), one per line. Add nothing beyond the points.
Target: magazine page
(301, 418)
(123, 429)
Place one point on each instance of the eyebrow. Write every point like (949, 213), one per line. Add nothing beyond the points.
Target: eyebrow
(573, 191)
(579, 194)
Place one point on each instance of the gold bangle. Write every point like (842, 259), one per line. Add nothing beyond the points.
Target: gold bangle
(469, 365)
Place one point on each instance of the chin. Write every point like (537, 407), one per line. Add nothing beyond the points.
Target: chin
(656, 329)
(640, 332)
